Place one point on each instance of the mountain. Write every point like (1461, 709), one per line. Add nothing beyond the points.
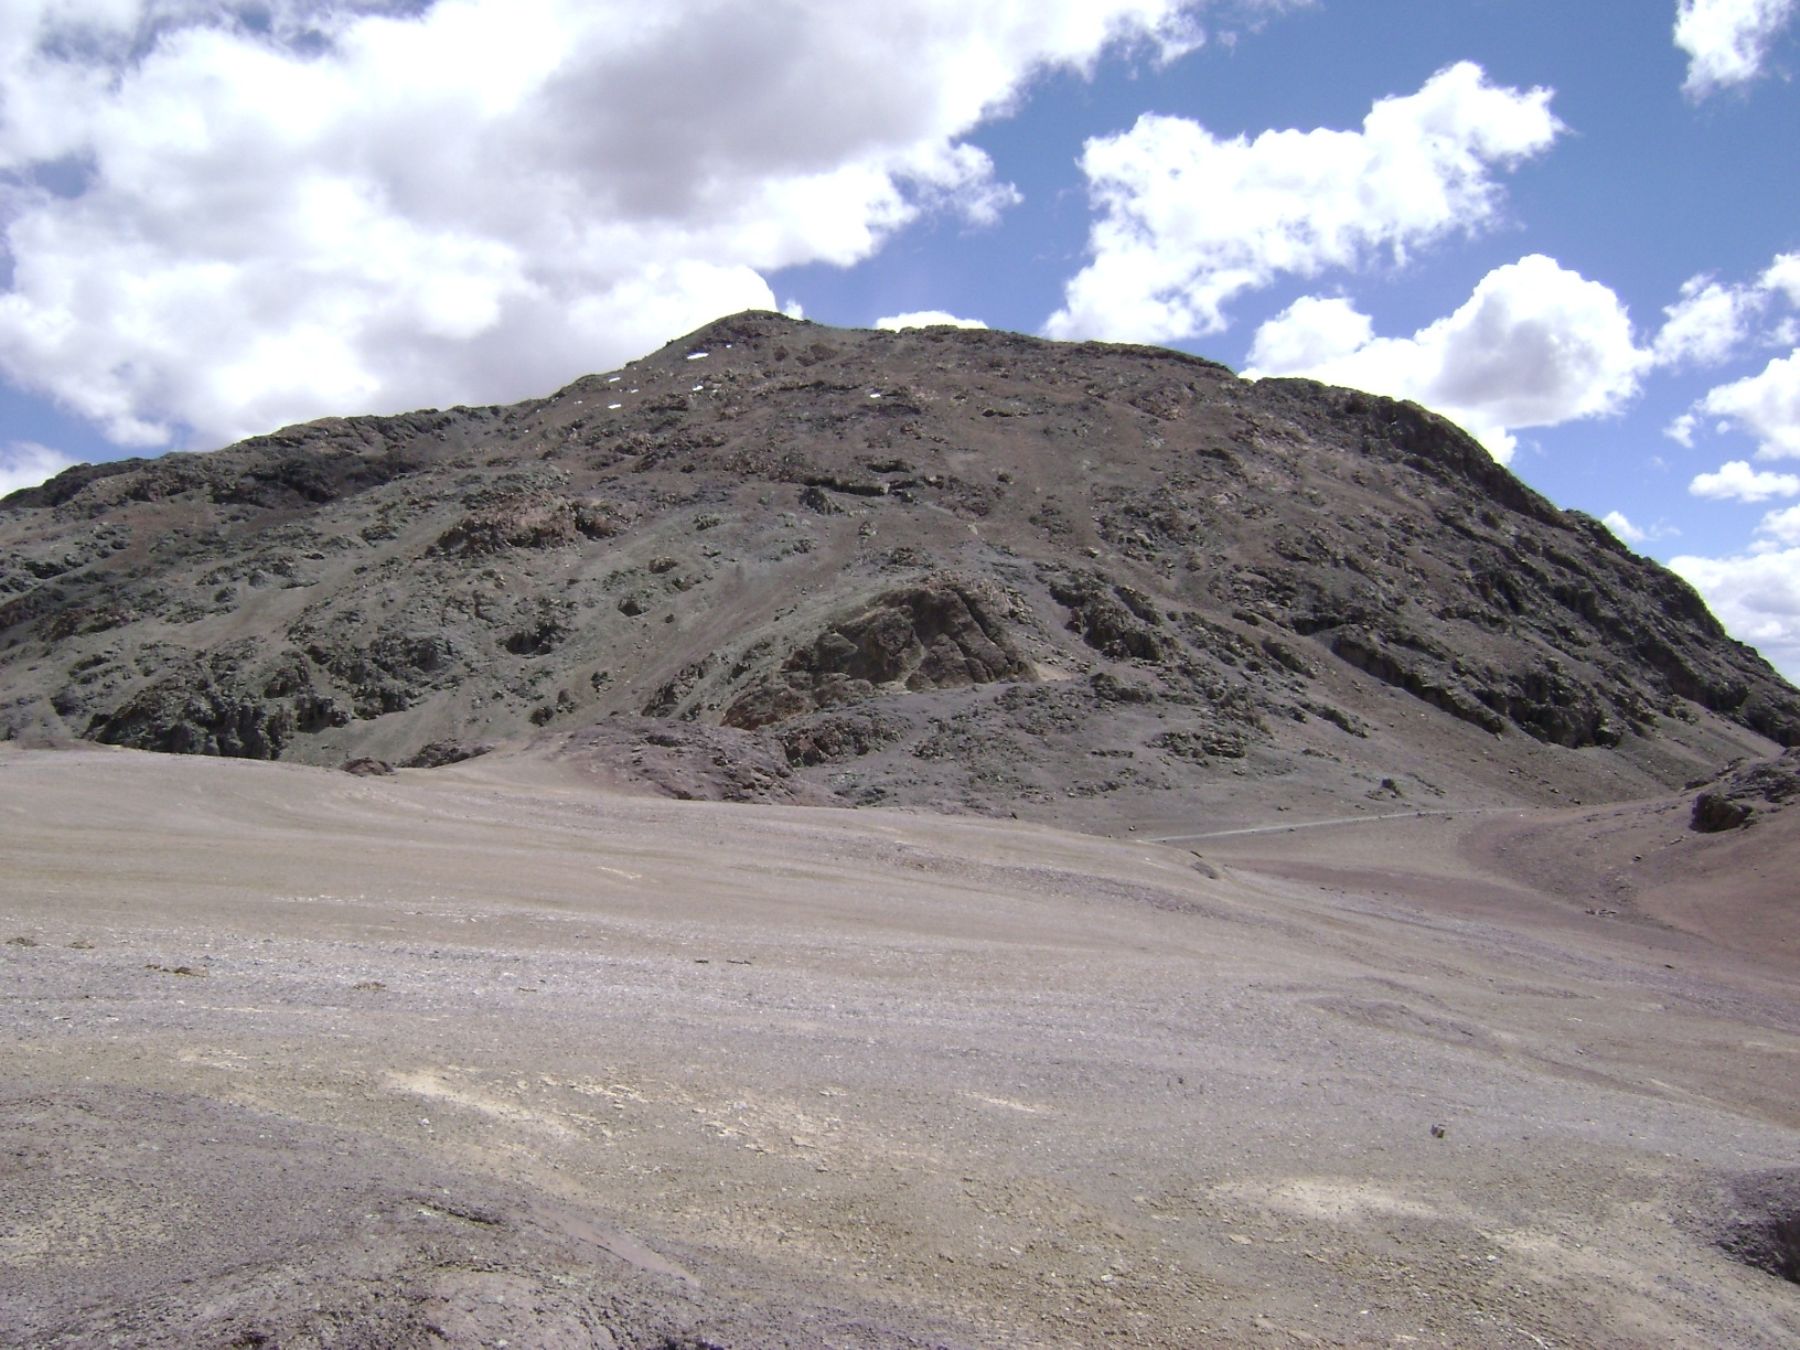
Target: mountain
(963, 570)
(1475, 1023)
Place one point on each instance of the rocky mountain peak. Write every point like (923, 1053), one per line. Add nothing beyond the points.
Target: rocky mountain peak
(961, 569)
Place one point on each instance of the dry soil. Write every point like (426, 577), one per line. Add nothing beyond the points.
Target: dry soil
(485, 1055)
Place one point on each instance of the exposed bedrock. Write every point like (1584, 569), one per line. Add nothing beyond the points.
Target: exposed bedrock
(939, 636)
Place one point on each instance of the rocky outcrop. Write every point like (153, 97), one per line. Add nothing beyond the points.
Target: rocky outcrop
(199, 708)
(839, 736)
(384, 676)
(1114, 620)
(687, 761)
(939, 636)
(1747, 793)
(523, 521)
(439, 753)
(1541, 701)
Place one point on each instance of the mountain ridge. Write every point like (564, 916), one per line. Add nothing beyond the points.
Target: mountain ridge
(957, 569)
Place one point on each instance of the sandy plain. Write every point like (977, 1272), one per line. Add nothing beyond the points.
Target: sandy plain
(486, 1055)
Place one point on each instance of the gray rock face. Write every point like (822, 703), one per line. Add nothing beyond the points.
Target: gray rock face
(924, 637)
(968, 570)
(1747, 792)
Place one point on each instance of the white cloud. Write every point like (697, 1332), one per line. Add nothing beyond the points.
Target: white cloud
(1623, 530)
(1783, 275)
(1310, 334)
(1782, 526)
(1534, 345)
(1767, 405)
(1737, 481)
(1727, 41)
(925, 318)
(25, 464)
(1707, 324)
(1538, 344)
(1188, 221)
(1757, 597)
(222, 215)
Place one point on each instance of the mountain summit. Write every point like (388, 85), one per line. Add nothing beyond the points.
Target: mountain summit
(958, 569)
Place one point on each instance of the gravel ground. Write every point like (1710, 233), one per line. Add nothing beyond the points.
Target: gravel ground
(484, 1056)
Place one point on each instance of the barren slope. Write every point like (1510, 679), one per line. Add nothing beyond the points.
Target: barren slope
(973, 571)
(482, 1053)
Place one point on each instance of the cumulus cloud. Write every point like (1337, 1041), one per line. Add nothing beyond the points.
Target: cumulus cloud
(1537, 345)
(926, 318)
(25, 464)
(1783, 526)
(1783, 276)
(1534, 345)
(1708, 323)
(1623, 530)
(1188, 221)
(1727, 41)
(1767, 405)
(1757, 597)
(1737, 481)
(221, 215)
(1309, 335)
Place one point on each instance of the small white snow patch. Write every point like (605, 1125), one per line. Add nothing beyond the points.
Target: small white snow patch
(612, 379)
(696, 389)
(614, 407)
(874, 395)
(698, 356)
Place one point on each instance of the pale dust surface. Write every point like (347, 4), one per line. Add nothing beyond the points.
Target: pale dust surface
(485, 1054)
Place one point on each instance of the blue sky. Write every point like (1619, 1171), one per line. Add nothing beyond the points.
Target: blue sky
(1573, 227)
